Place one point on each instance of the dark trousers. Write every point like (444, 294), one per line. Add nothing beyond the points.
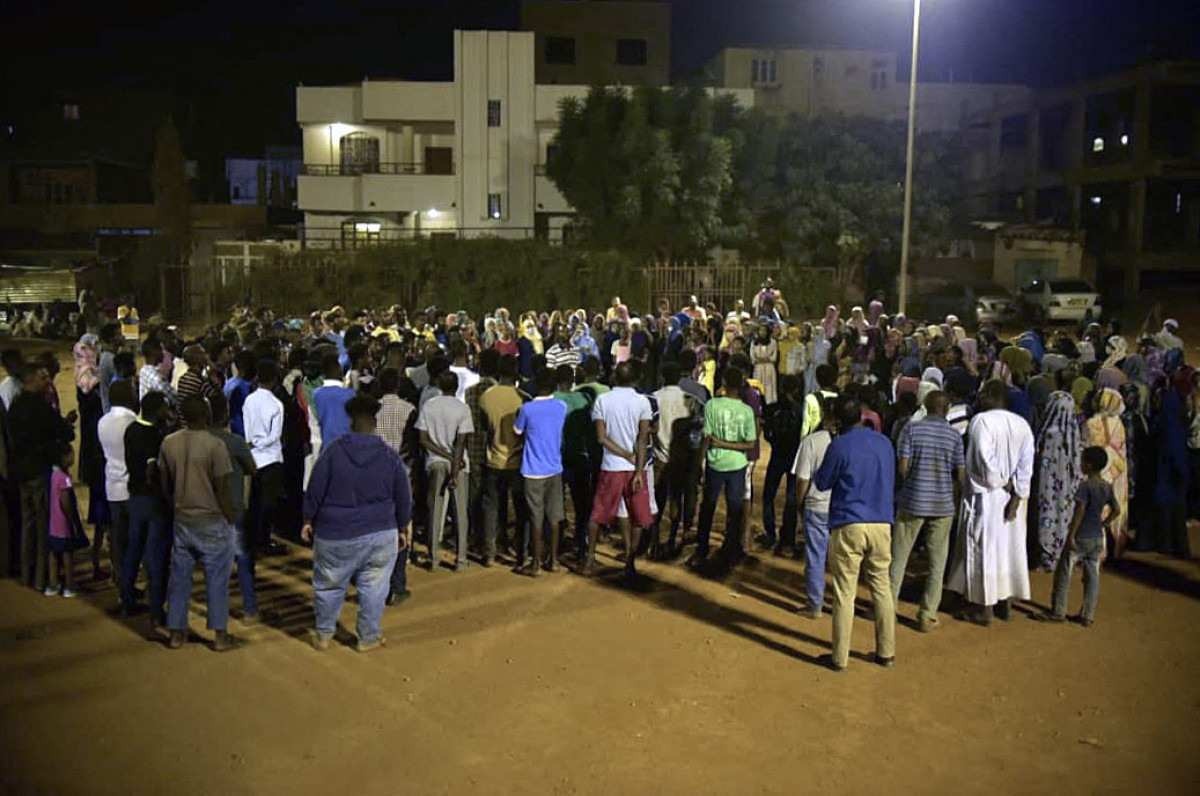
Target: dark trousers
(733, 484)
(399, 580)
(266, 492)
(149, 540)
(780, 469)
(290, 508)
(580, 478)
(35, 530)
(498, 487)
(678, 487)
(8, 540)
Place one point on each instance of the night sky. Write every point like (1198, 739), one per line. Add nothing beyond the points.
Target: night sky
(239, 61)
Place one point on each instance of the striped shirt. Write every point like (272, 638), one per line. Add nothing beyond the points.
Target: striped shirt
(934, 451)
(959, 418)
(559, 355)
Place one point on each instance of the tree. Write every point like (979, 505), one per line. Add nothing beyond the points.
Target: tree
(172, 199)
(644, 169)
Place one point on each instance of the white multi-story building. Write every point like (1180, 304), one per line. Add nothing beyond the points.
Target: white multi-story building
(386, 160)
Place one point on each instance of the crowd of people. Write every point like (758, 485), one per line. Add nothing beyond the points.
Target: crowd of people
(383, 438)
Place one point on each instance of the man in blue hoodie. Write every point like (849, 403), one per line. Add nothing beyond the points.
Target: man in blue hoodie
(357, 508)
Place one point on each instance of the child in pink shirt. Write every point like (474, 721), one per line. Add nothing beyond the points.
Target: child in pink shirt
(65, 527)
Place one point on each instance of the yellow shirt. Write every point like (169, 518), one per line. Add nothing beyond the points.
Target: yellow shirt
(130, 324)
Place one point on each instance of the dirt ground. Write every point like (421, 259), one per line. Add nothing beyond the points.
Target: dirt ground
(493, 683)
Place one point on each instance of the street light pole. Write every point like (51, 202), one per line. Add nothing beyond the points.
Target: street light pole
(908, 165)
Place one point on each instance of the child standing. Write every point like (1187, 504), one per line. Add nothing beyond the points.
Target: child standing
(1085, 540)
(65, 527)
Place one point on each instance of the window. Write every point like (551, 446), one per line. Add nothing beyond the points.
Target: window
(551, 152)
(494, 208)
(631, 52)
(762, 70)
(359, 154)
(771, 76)
(493, 113)
(559, 50)
(71, 112)
(361, 233)
(878, 79)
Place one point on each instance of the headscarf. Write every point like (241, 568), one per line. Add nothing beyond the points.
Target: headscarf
(857, 320)
(87, 363)
(1118, 349)
(530, 332)
(874, 310)
(1081, 388)
(1109, 377)
(1106, 429)
(1135, 368)
(1019, 361)
(970, 350)
(583, 340)
(933, 375)
(1059, 445)
(830, 323)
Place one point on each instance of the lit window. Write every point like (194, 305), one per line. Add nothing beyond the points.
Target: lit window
(1178, 203)
(1097, 144)
(493, 113)
(1097, 200)
(494, 207)
(71, 112)
(368, 226)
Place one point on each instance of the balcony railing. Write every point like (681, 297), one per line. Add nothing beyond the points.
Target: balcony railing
(348, 238)
(356, 169)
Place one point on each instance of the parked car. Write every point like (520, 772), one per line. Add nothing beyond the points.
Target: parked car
(1051, 300)
(983, 304)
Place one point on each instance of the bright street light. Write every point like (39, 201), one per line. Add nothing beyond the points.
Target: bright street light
(908, 164)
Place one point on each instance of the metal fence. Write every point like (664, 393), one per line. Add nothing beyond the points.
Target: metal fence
(356, 169)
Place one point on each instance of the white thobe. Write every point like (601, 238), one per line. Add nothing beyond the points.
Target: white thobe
(991, 562)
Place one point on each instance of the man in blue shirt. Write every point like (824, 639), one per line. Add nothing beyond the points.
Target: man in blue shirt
(540, 422)
(860, 472)
(238, 389)
(330, 401)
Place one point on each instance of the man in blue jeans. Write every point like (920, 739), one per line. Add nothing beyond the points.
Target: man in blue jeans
(358, 501)
(816, 510)
(194, 468)
(149, 532)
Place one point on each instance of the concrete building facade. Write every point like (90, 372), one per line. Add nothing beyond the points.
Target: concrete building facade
(389, 160)
(851, 82)
(1117, 158)
(600, 42)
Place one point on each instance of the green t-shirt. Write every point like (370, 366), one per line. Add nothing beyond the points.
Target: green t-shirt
(729, 420)
(578, 431)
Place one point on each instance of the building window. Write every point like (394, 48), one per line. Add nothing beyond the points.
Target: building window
(631, 52)
(361, 233)
(551, 152)
(359, 154)
(559, 50)
(493, 113)
(71, 112)
(762, 70)
(494, 207)
(878, 79)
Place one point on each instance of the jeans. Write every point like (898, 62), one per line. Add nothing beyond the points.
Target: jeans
(244, 559)
(937, 543)
(209, 542)
(816, 549)
(780, 469)
(734, 485)
(366, 560)
(439, 505)
(1087, 552)
(35, 529)
(862, 546)
(149, 539)
(498, 485)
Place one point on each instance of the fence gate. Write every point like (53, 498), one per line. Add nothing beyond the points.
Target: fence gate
(720, 284)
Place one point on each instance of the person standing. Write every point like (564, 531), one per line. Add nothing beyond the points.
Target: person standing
(238, 388)
(677, 449)
(357, 503)
(785, 418)
(1058, 446)
(809, 457)
(262, 418)
(242, 462)
(195, 379)
(194, 467)
(467, 378)
(991, 564)
(444, 424)
(540, 424)
(859, 470)
(150, 377)
(149, 536)
(330, 400)
(622, 418)
(111, 432)
(578, 440)
(38, 434)
(730, 432)
(562, 352)
(931, 469)
(477, 445)
(502, 476)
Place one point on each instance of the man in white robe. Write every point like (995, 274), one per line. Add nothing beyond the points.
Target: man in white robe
(991, 564)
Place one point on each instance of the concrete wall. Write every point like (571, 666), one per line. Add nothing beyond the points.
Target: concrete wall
(595, 28)
(1065, 258)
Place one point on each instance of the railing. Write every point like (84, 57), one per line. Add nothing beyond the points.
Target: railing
(338, 238)
(356, 169)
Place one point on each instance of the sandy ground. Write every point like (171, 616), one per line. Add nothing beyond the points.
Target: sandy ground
(493, 683)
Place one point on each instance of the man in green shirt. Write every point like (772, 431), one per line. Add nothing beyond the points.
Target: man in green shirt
(729, 432)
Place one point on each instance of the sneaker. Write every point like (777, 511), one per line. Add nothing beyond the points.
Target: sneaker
(886, 663)
(1050, 616)
(370, 646)
(176, 639)
(927, 625)
(224, 642)
(829, 663)
(319, 641)
(250, 619)
(50, 591)
(69, 593)
(811, 611)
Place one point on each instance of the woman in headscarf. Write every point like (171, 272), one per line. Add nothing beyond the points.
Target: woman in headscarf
(970, 355)
(583, 340)
(1167, 533)
(829, 324)
(1081, 390)
(1059, 446)
(91, 456)
(874, 311)
(793, 353)
(818, 355)
(1138, 453)
(1105, 429)
(764, 351)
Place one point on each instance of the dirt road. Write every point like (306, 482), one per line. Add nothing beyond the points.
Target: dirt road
(492, 683)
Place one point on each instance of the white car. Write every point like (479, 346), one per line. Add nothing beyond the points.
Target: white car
(1061, 300)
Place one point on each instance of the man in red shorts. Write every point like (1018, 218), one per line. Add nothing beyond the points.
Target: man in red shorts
(622, 418)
